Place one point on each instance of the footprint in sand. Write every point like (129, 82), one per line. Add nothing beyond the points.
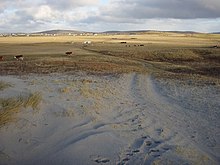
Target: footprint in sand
(103, 160)
(136, 151)
(154, 152)
(144, 150)
(159, 131)
(99, 159)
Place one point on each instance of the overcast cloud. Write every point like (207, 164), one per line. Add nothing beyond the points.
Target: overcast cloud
(103, 15)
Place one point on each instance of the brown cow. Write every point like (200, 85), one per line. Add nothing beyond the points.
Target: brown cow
(1, 58)
(19, 57)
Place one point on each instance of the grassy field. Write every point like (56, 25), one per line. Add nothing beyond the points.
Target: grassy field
(164, 54)
(165, 113)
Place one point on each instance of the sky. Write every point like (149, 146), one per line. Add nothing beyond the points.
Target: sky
(108, 15)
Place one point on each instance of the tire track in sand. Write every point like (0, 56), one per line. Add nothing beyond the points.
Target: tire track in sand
(163, 128)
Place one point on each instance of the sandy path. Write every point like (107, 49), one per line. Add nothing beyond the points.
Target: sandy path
(111, 119)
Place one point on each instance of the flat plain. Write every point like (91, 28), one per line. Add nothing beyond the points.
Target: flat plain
(145, 98)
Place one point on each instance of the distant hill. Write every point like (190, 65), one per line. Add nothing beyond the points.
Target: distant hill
(192, 32)
(77, 32)
(150, 31)
(132, 31)
(60, 32)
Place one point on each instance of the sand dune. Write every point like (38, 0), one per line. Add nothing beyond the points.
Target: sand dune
(112, 119)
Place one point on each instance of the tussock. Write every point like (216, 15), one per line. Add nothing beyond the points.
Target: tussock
(33, 100)
(10, 106)
(4, 85)
(64, 90)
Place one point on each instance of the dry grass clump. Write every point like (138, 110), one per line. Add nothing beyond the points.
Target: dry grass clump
(33, 100)
(10, 106)
(64, 90)
(194, 156)
(4, 85)
(85, 90)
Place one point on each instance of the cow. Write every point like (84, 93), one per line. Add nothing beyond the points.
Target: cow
(1, 58)
(19, 57)
(69, 53)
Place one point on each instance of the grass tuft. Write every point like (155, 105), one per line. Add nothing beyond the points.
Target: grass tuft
(4, 85)
(64, 90)
(33, 100)
(10, 106)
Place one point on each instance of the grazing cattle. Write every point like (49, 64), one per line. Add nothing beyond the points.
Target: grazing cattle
(19, 57)
(69, 53)
(141, 45)
(123, 42)
(1, 58)
(216, 46)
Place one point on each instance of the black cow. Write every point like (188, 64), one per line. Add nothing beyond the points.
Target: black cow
(19, 57)
(69, 53)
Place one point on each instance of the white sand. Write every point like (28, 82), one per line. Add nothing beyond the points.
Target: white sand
(112, 119)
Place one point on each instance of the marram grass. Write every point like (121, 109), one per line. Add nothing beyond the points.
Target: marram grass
(4, 85)
(11, 106)
(33, 100)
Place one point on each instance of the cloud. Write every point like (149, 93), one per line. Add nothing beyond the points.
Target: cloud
(70, 4)
(101, 15)
(45, 13)
(178, 9)
(12, 21)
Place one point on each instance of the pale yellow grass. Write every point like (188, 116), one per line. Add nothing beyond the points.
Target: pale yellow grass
(85, 90)
(4, 85)
(10, 106)
(193, 155)
(156, 37)
(107, 54)
(64, 90)
(33, 100)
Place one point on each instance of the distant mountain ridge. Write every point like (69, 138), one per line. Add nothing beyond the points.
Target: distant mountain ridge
(77, 32)
(150, 31)
(60, 32)
(216, 33)
(110, 32)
